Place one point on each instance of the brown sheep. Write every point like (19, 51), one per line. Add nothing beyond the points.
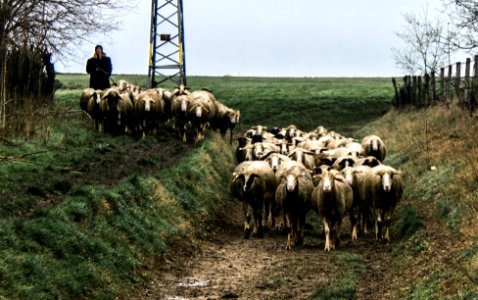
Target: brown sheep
(117, 109)
(179, 104)
(332, 198)
(200, 111)
(90, 103)
(374, 146)
(293, 196)
(253, 183)
(386, 193)
(225, 119)
(150, 111)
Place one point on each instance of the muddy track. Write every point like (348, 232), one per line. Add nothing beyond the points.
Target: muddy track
(226, 266)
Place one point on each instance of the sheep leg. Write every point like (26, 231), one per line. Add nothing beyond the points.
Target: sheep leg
(300, 240)
(387, 222)
(354, 232)
(354, 222)
(289, 232)
(293, 229)
(247, 221)
(337, 233)
(257, 221)
(327, 234)
(378, 224)
(267, 214)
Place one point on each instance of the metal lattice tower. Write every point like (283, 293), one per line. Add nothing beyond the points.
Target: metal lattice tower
(166, 50)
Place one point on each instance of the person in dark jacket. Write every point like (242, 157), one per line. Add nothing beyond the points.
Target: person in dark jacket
(99, 67)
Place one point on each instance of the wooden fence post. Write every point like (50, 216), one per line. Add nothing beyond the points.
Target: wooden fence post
(448, 83)
(442, 84)
(396, 100)
(414, 91)
(458, 81)
(433, 93)
(466, 90)
(419, 94)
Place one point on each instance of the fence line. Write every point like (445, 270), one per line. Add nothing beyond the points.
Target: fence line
(452, 87)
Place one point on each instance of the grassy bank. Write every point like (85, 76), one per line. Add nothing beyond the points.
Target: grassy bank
(436, 225)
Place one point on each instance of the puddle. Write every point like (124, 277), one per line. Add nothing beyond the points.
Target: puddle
(175, 298)
(193, 282)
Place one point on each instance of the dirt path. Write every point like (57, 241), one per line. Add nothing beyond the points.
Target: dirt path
(230, 267)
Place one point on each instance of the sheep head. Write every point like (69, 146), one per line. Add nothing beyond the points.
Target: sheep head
(386, 175)
(97, 96)
(348, 173)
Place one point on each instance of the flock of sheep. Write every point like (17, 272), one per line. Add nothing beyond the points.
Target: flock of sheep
(125, 108)
(284, 173)
(281, 174)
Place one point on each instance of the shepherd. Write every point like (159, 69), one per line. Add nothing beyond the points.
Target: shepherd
(99, 67)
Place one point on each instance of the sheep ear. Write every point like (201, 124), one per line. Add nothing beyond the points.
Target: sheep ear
(397, 172)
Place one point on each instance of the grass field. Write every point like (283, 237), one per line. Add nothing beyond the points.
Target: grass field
(83, 214)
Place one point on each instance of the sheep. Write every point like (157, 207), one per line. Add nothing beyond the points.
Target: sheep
(256, 133)
(90, 103)
(337, 142)
(293, 196)
(180, 98)
(225, 118)
(303, 156)
(292, 132)
(283, 145)
(242, 152)
(370, 161)
(374, 146)
(166, 95)
(150, 109)
(332, 198)
(201, 109)
(260, 148)
(386, 193)
(253, 183)
(360, 179)
(313, 145)
(355, 149)
(321, 130)
(117, 109)
(274, 159)
(344, 161)
(124, 86)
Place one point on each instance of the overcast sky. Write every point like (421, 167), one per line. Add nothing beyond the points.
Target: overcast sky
(312, 38)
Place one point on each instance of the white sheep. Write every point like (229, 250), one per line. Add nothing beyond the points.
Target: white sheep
(253, 183)
(332, 198)
(387, 191)
(150, 110)
(293, 196)
(360, 178)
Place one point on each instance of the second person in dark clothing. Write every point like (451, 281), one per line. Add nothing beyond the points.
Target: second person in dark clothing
(99, 67)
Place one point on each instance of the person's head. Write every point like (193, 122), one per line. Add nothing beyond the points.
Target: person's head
(99, 51)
